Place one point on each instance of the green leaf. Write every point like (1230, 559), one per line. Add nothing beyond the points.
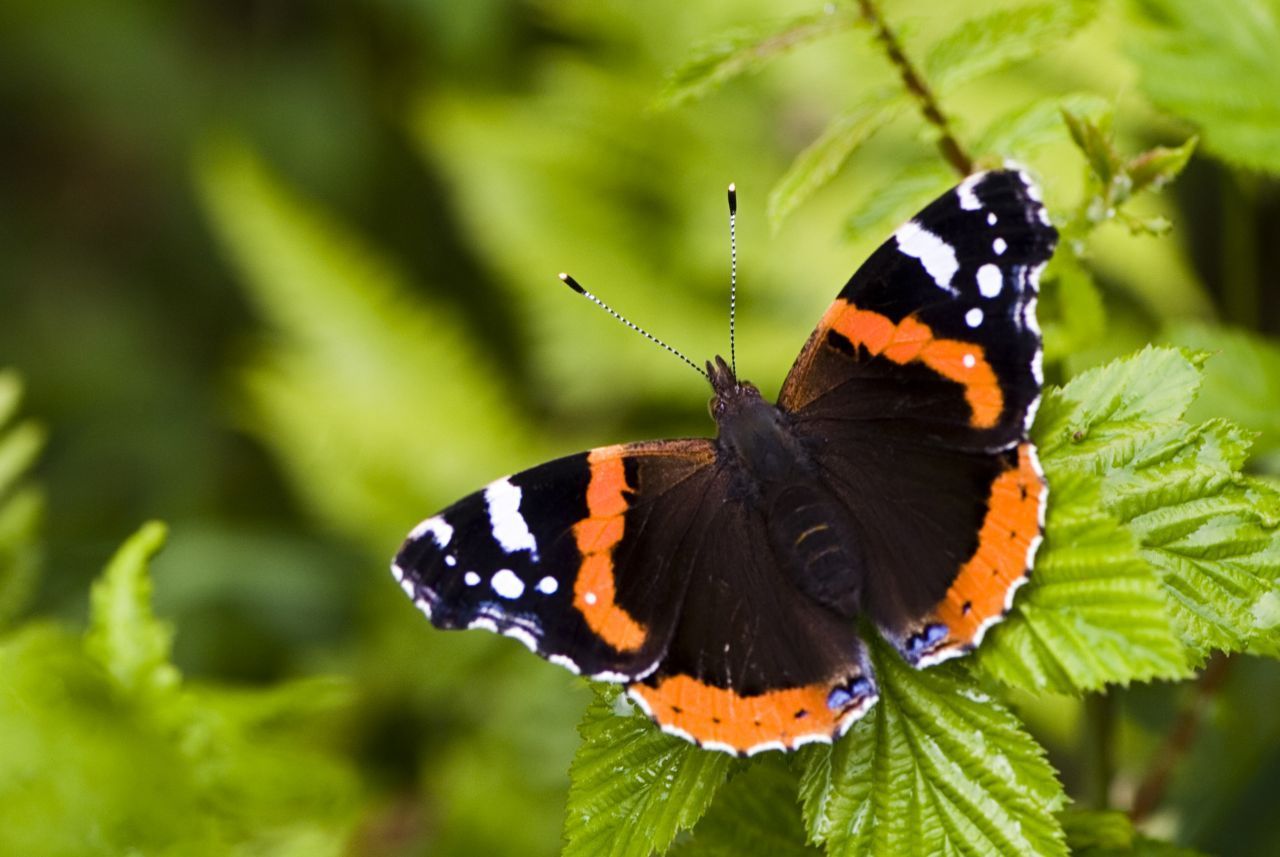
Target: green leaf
(1072, 314)
(1217, 71)
(21, 504)
(1158, 166)
(124, 635)
(1094, 612)
(936, 767)
(351, 346)
(1213, 535)
(1093, 138)
(1108, 833)
(824, 157)
(1102, 415)
(1241, 379)
(901, 195)
(983, 45)
(743, 51)
(1025, 129)
(632, 786)
(754, 813)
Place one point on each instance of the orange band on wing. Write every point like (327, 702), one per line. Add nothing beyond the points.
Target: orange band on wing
(594, 592)
(713, 714)
(1012, 523)
(911, 340)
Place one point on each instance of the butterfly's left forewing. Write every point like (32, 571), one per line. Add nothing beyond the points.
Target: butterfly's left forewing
(573, 558)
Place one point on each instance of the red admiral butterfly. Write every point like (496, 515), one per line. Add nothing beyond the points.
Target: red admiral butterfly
(722, 580)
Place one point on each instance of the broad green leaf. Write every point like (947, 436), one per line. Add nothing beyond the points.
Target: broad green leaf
(1241, 379)
(936, 767)
(1108, 833)
(899, 196)
(983, 45)
(353, 391)
(1217, 71)
(824, 157)
(754, 813)
(740, 52)
(1104, 414)
(124, 636)
(1094, 139)
(1213, 535)
(1094, 612)
(632, 786)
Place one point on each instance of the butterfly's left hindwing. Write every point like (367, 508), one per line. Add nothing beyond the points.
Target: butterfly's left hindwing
(537, 556)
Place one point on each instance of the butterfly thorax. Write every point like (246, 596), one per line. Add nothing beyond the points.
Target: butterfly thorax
(772, 473)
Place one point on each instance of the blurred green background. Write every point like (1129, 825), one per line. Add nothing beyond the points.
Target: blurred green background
(283, 274)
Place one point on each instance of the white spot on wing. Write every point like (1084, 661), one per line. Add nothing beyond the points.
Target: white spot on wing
(484, 623)
(407, 586)
(999, 245)
(439, 529)
(990, 280)
(937, 256)
(969, 361)
(507, 584)
(590, 598)
(567, 663)
(548, 585)
(450, 560)
(470, 578)
(991, 218)
(973, 317)
(968, 199)
(518, 633)
(509, 528)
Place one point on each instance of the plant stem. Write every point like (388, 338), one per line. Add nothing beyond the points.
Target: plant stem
(1155, 783)
(1099, 711)
(951, 150)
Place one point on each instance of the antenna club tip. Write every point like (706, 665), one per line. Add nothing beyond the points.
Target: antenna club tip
(733, 198)
(572, 283)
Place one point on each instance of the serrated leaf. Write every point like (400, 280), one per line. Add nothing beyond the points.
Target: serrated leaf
(1214, 536)
(754, 813)
(1094, 612)
(1218, 71)
(983, 45)
(1028, 128)
(936, 767)
(1108, 833)
(823, 158)
(1241, 379)
(742, 51)
(1093, 138)
(1159, 165)
(1101, 416)
(632, 787)
(124, 635)
(901, 194)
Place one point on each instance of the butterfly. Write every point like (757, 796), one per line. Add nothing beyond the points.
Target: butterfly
(723, 581)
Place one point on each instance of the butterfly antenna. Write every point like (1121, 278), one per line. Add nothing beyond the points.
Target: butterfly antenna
(733, 275)
(573, 284)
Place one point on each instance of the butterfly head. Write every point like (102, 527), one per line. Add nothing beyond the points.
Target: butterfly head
(731, 395)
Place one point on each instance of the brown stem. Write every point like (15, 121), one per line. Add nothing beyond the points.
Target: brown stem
(1152, 789)
(951, 150)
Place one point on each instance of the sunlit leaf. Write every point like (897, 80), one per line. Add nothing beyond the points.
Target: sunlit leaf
(743, 51)
(756, 812)
(632, 786)
(936, 767)
(824, 157)
(1217, 71)
(986, 44)
(1108, 833)
(124, 634)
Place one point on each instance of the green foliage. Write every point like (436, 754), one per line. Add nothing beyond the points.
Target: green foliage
(733, 54)
(1217, 71)
(667, 786)
(937, 766)
(1107, 833)
(103, 751)
(754, 813)
(21, 504)
(986, 44)
(1096, 614)
(824, 157)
